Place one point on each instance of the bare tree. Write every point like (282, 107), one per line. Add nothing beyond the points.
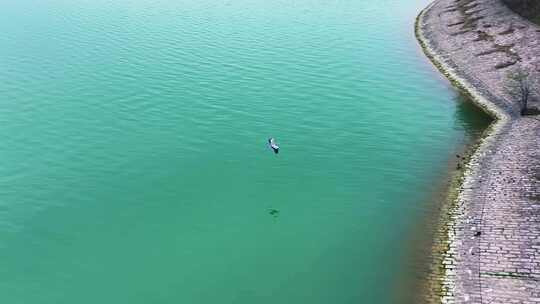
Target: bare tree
(519, 87)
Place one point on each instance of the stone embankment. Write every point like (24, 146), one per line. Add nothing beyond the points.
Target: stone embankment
(492, 236)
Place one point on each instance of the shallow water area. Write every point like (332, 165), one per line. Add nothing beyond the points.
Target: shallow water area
(135, 165)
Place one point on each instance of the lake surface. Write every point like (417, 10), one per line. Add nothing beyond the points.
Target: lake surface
(134, 165)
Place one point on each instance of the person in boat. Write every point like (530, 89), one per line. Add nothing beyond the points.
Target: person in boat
(273, 145)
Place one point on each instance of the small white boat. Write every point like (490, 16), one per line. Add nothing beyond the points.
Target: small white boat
(273, 145)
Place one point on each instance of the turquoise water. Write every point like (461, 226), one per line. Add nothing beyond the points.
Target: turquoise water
(134, 166)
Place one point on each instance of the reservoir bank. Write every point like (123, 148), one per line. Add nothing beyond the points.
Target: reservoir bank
(488, 247)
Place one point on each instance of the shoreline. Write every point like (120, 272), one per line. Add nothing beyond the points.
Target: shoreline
(458, 269)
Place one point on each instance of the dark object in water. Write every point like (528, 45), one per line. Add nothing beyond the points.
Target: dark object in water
(273, 212)
(478, 233)
(273, 145)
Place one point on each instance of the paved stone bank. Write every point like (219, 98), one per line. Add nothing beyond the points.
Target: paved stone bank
(494, 254)
(492, 234)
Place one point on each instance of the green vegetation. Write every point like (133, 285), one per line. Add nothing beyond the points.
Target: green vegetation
(529, 9)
